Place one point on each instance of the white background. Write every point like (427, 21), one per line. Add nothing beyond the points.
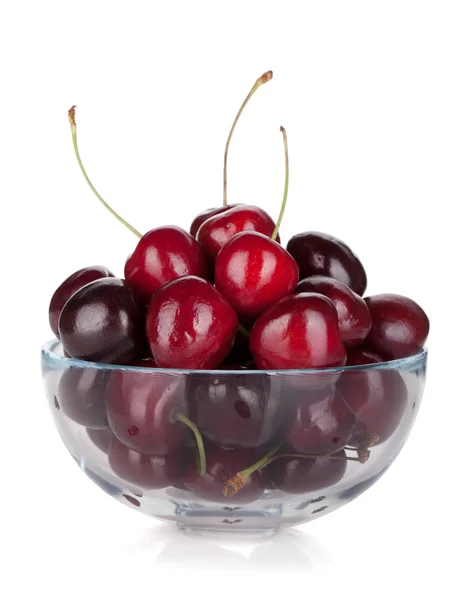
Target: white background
(379, 101)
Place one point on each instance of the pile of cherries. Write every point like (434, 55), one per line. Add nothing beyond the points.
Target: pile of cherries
(227, 296)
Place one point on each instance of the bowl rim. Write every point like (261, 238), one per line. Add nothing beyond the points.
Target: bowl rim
(48, 353)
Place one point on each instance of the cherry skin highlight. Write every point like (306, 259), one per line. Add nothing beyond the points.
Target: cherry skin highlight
(399, 326)
(299, 332)
(222, 465)
(69, 287)
(163, 254)
(147, 472)
(352, 312)
(253, 272)
(297, 475)
(216, 231)
(378, 398)
(205, 215)
(190, 325)
(321, 254)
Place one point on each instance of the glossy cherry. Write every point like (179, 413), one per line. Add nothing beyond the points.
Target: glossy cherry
(103, 322)
(147, 472)
(399, 326)
(216, 231)
(298, 475)
(299, 332)
(206, 214)
(101, 438)
(253, 272)
(237, 411)
(190, 325)
(377, 397)
(321, 254)
(69, 286)
(352, 312)
(324, 423)
(80, 396)
(222, 465)
(141, 410)
(163, 254)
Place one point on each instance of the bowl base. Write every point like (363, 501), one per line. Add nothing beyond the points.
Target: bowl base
(224, 532)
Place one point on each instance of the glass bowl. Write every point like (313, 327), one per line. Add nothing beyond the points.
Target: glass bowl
(316, 438)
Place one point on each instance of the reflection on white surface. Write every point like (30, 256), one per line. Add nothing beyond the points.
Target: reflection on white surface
(289, 549)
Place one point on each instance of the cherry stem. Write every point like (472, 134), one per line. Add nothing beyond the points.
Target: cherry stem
(332, 456)
(243, 330)
(259, 82)
(286, 184)
(202, 461)
(238, 481)
(72, 122)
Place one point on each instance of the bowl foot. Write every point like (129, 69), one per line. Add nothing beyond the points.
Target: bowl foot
(217, 531)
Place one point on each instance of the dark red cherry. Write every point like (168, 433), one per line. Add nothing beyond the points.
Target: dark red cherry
(141, 409)
(377, 397)
(253, 272)
(190, 325)
(216, 231)
(147, 472)
(223, 465)
(80, 396)
(352, 312)
(298, 332)
(162, 255)
(297, 475)
(399, 326)
(323, 424)
(236, 411)
(205, 215)
(103, 322)
(101, 438)
(69, 286)
(321, 254)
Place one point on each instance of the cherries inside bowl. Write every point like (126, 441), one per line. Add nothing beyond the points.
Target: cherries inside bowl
(228, 380)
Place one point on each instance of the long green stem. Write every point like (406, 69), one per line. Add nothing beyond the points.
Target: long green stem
(298, 455)
(202, 461)
(286, 184)
(263, 79)
(72, 122)
(236, 483)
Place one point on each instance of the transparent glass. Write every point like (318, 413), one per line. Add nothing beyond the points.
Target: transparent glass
(274, 419)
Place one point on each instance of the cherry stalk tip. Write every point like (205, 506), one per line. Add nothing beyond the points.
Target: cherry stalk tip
(72, 115)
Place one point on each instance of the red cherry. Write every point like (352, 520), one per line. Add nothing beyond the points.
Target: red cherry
(190, 325)
(69, 287)
(352, 312)
(377, 397)
(101, 438)
(298, 332)
(147, 472)
(399, 326)
(216, 231)
(323, 425)
(253, 272)
(81, 396)
(206, 214)
(223, 465)
(162, 255)
(321, 254)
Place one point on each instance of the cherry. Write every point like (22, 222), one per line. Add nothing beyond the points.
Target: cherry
(399, 326)
(206, 214)
(236, 411)
(147, 472)
(190, 325)
(377, 397)
(69, 286)
(321, 254)
(323, 424)
(80, 396)
(299, 332)
(222, 465)
(298, 475)
(162, 255)
(216, 231)
(352, 312)
(240, 353)
(101, 438)
(102, 322)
